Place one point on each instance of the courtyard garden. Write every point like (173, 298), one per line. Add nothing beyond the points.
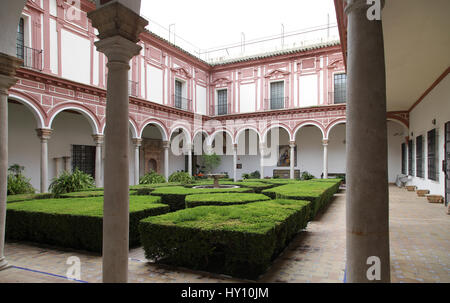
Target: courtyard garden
(238, 229)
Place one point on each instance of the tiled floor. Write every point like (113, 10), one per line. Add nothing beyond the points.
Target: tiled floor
(420, 251)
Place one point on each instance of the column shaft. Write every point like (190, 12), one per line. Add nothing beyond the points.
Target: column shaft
(325, 159)
(98, 139)
(137, 144)
(367, 211)
(292, 160)
(261, 159)
(166, 159)
(189, 152)
(44, 135)
(235, 163)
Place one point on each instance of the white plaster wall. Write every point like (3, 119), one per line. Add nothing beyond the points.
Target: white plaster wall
(23, 144)
(337, 149)
(75, 57)
(68, 129)
(96, 78)
(247, 98)
(308, 90)
(309, 150)
(396, 135)
(154, 84)
(53, 47)
(53, 7)
(436, 105)
(201, 100)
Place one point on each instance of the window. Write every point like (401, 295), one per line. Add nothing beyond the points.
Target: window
(277, 95)
(410, 158)
(404, 159)
(419, 157)
(432, 157)
(222, 102)
(340, 88)
(83, 158)
(21, 39)
(178, 94)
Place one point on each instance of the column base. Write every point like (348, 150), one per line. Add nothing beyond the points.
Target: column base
(4, 264)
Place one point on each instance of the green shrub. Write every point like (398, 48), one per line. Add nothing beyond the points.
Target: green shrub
(306, 176)
(223, 199)
(72, 223)
(152, 178)
(211, 162)
(181, 177)
(239, 240)
(18, 184)
(71, 182)
(89, 194)
(174, 196)
(319, 193)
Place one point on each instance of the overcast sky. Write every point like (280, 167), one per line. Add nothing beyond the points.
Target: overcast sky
(211, 23)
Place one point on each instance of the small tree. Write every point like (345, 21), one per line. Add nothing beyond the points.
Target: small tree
(17, 182)
(71, 182)
(211, 162)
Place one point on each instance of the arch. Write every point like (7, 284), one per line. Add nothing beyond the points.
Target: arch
(86, 112)
(32, 105)
(333, 124)
(211, 138)
(285, 127)
(400, 122)
(306, 123)
(133, 128)
(186, 132)
(240, 131)
(158, 124)
(199, 131)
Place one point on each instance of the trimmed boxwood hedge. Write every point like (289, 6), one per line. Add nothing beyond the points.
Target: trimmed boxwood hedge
(319, 193)
(223, 199)
(28, 197)
(174, 196)
(256, 186)
(89, 194)
(73, 222)
(146, 189)
(239, 240)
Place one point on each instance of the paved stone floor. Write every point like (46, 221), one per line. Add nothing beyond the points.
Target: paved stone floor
(420, 251)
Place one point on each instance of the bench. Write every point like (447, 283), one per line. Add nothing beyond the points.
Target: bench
(285, 173)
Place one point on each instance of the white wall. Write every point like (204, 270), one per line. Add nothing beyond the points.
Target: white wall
(337, 149)
(436, 105)
(201, 100)
(154, 84)
(53, 47)
(308, 90)
(310, 150)
(23, 144)
(247, 98)
(75, 57)
(396, 134)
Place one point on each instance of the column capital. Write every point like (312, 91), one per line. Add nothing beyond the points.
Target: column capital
(353, 5)
(292, 144)
(325, 142)
(8, 67)
(117, 20)
(98, 139)
(44, 133)
(137, 142)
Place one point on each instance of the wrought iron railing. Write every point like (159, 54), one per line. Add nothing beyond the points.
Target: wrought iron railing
(133, 88)
(337, 98)
(220, 109)
(276, 103)
(32, 58)
(182, 103)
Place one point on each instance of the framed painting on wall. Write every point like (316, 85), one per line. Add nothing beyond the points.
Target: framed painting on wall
(284, 156)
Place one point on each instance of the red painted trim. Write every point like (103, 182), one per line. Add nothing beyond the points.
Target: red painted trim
(433, 85)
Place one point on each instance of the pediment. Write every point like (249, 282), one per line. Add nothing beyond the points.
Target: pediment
(276, 73)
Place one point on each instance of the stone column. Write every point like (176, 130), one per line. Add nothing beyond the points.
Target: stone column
(137, 142)
(292, 159)
(189, 154)
(119, 29)
(44, 134)
(8, 66)
(98, 139)
(367, 209)
(166, 145)
(262, 151)
(325, 158)
(67, 164)
(235, 147)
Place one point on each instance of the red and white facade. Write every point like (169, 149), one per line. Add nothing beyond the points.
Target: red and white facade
(71, 80)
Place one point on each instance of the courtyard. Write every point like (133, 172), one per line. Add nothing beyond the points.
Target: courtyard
(419, 245)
